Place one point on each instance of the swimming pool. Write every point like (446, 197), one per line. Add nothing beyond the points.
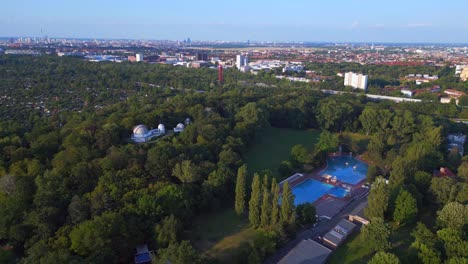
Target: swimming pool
(346, 169)
(310, 191)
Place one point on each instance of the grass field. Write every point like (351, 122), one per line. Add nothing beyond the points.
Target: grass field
(274, 146)
(221, 235)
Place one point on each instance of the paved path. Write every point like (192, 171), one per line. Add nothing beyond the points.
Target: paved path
(320, 229)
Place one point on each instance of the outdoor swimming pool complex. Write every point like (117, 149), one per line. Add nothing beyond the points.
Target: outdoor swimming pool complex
(310, 191)
(346, 169)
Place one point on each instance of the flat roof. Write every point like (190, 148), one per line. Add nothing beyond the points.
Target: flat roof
(332, 238)
(346, 225)
(306, 252)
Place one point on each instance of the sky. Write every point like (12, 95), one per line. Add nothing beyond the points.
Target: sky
(405, 21)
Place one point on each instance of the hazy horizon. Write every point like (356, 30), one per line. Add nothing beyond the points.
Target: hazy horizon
(270, 21)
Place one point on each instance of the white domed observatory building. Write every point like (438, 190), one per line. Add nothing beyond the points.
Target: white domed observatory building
(179, 128)
(141, 133)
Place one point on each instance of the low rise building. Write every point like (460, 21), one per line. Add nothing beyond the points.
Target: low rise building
(339, 233)
(306, 252)
(443, 172)
(407, 92)
(456, 140)
(454, 93)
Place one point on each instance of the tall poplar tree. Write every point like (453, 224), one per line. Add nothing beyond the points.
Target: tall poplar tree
(266, 209)
(240, 189)
(274, 202)
(254, 203)
(287, 205)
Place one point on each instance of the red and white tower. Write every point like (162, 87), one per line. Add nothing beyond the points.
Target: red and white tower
(220, 74)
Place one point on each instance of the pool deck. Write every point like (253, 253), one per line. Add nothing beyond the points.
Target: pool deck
(329, 205)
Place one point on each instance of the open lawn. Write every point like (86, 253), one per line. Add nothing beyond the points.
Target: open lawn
(354, 250)
(351, 252)
(274, 145)
(221, 235)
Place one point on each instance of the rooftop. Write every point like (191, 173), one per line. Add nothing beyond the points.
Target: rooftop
(306, 252)
(444, 172)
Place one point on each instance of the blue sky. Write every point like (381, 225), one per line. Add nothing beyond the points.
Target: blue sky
(260, 20)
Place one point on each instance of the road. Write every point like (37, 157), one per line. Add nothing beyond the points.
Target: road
(320, 229)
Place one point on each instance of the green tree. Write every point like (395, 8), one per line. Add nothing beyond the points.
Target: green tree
(463, 101)
(265, 217)
(96, 239)
(241, 189)
(334, 115)
(453, 159)
(178, 253)
(425, 243)
(384, 258)
(371, 173)
(406, 208)
(401, 169)
(444, 189)
(453, 215)
(275, 210)
(77, 210)
(254, 203)
(327, 142)
(306, 214)
(378, 199)
(168, 231)
(369, 120)
(376, 235)
(463, 171)
(454, 244)
(186, 172)
(287, 205)
(422, 180)
(300, 155)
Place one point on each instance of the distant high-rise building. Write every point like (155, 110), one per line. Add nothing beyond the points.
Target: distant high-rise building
(220, 74)
(241, 60)
(358, 81)
(201, 56)
(139, 57)
(189, 41)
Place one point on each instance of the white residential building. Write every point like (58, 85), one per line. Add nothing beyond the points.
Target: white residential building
(241, 60)
(139, 57)
(358, 81)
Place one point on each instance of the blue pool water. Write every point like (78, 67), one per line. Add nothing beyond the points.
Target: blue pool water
(346, 169)
(310, 191)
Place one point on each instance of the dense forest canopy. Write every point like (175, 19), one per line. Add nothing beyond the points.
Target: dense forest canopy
(73, 189)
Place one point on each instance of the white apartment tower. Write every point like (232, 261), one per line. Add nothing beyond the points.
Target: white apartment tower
(241, 60)
(357, 81)
(139, 57)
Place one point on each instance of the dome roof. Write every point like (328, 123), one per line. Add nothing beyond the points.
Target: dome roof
(180, 126)
(140, 130)
(161, 127)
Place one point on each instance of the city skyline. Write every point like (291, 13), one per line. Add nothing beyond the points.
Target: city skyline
(350, 21)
